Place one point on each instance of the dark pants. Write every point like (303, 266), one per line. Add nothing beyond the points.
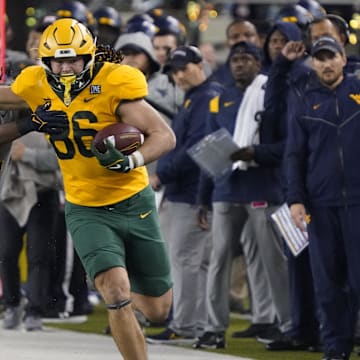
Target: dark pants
(334, 235)
(304, 317)
(40, 249)
(67, 275)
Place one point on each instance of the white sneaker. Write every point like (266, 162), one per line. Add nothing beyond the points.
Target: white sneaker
(33, 323)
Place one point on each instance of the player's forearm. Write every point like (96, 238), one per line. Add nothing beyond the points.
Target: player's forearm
(8, 132)
(157, 144)
(13, 106)
(9, 100)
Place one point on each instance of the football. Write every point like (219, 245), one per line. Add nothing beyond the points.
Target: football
(124, 137)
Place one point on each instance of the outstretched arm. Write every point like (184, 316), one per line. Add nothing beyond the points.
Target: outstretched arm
(9, 100)
(42, 119)
(8, 133)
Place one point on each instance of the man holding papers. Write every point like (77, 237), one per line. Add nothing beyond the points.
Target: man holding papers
(324, 182)
(249, 193)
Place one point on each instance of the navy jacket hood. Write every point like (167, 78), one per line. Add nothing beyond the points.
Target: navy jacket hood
(290, 30)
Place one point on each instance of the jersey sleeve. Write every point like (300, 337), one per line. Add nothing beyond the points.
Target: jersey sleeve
(131, 83)
(26, 85)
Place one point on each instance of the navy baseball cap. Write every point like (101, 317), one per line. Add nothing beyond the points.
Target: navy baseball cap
(327, 43)
(181, 56)
(246, 47)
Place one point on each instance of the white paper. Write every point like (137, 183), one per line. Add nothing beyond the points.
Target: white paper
(212, 153)
(295, 239)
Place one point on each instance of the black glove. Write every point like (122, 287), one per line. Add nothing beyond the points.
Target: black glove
(43, 120)
(245, 154)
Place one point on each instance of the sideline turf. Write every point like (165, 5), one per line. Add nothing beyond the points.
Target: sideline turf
(97, 322)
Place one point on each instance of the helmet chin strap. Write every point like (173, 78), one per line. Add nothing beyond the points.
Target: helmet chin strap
(67, 81)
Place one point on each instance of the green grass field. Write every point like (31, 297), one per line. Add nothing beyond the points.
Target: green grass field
(250, 348)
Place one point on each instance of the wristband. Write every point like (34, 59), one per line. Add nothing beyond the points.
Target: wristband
(132, 164)
(137, 159)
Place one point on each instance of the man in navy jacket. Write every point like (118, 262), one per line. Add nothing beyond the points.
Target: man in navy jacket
(246, 196)
(290, 74)
(189, 244)
(324, 182)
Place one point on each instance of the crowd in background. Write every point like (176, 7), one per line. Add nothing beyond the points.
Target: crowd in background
(223, 246)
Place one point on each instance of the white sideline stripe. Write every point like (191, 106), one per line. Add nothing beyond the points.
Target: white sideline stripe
(56, 344)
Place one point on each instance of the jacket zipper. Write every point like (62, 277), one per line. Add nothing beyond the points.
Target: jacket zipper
(341, 151)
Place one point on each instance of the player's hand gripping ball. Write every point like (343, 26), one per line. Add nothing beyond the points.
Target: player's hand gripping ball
(115, 146)
(123, 137)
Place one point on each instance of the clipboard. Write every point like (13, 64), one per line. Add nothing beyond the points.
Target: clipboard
(212, 153)
(295, 239)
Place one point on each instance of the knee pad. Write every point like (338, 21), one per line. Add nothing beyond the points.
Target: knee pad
(118, 305)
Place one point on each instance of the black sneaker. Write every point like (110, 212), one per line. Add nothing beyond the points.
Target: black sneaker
(335, 356)
(211, 340)
(316, 347)
(168, 336)
(252, 331)
(269, 335)
(286, 343)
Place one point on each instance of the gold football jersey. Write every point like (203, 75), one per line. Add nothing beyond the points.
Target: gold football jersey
(86, 182)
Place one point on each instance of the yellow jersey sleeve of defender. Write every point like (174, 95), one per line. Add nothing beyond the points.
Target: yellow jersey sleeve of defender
(32, 86)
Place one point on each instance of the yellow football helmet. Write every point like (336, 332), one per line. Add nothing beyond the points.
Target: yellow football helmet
(66, 38)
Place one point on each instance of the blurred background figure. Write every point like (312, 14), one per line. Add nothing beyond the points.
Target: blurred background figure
(295, 13)
(29, 205)
(15, 60)
(138, 52)
(79, 11)
(34, 35)
(170, 34)
(109, 25)
(314, 7)
(209, 55)
(141, 23)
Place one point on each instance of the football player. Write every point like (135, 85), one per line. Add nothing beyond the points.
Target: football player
(110, 209)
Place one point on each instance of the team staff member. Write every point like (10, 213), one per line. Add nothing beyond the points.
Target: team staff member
(122, 251)
(189, 245)
(242, 196)
(321, 152)
(238, 30)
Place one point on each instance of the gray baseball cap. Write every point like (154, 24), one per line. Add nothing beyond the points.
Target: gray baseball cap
(139, 42)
